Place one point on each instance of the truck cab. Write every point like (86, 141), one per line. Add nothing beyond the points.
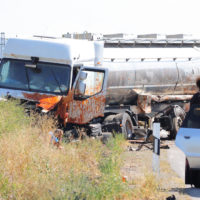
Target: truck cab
(56, 74)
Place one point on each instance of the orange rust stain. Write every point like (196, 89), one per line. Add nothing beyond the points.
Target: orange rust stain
(94, 89)
(82, 112)
(71, 110)
(63, 107)
(13, 55)
(46, 102)
(186, 107)
(191, 90)
(144, 103)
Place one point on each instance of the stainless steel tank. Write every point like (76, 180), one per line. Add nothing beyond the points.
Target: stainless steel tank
(127, 80)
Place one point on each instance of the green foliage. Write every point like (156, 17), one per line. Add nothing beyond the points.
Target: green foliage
(12, 117)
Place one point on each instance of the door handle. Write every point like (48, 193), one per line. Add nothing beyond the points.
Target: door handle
(187, 137)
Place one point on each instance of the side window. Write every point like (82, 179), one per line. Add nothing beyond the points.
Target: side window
(91, 84)
(94, 82)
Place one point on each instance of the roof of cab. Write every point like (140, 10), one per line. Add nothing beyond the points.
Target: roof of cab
(63, 51)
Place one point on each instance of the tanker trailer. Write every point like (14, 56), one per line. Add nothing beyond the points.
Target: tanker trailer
(142, 91)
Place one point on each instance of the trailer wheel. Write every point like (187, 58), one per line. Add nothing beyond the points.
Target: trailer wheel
(176, 123)
(126, 126)
(177, 117)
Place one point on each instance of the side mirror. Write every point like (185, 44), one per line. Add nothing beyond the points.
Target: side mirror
(80, 89)
(82, 76)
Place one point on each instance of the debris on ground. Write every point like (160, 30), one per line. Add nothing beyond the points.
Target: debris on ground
(56, 138)
(172, 197)
(144, 145)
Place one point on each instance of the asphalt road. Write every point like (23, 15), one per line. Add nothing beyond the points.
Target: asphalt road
(177, 162)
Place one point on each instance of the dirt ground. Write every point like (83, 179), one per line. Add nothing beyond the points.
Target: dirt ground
(138, 165)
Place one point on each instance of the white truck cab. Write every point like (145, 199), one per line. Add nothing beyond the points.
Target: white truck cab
(61, 73)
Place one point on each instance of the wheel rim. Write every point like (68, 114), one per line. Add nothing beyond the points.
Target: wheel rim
(179, 121)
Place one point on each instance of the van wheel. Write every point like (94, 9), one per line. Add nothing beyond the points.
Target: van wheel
(187, 172)
(196, 179)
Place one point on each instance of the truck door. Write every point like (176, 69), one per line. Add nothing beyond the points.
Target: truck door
(89, 95)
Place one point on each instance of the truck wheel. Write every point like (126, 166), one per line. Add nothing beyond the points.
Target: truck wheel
(119, 123)
(126, 126)
(176, 123)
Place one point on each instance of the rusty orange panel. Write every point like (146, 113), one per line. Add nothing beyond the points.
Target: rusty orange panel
(81, 112)
(63, 107)
(46, 102)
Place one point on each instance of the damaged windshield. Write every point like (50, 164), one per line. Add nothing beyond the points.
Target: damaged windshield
(46, 77)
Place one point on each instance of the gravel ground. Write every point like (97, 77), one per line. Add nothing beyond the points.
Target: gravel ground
(138, 163)
(176, 159)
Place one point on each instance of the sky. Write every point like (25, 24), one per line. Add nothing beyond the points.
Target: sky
(56, 17)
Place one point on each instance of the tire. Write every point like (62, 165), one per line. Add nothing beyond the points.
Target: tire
(187, 173)
(196, 179)
(121, 123)
(176, 123)
(126, 126)
(191, 176)
(177, 117)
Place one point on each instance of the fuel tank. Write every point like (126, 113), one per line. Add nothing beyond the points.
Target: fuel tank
(153, 77)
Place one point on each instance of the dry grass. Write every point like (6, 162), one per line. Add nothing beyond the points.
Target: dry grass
(33, 169)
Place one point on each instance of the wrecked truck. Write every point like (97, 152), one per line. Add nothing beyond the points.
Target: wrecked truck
(69, 78)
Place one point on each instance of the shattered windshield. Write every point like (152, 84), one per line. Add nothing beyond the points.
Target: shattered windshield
(46, 77)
